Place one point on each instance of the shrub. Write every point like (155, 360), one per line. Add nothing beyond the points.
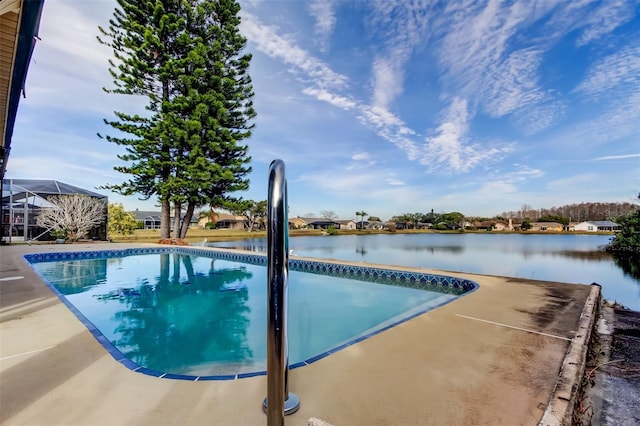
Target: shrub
(59, 234)
(120, 221)
(626, 242)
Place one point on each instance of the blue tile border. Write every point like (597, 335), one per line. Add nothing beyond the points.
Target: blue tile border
(419, 280)
(387, 276)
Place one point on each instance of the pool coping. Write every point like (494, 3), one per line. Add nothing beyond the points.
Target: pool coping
(341, 269)
(563, 401)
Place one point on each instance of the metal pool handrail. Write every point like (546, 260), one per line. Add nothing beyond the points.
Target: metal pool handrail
(280, 401)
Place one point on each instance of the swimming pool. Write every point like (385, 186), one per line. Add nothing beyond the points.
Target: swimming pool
(200, 314)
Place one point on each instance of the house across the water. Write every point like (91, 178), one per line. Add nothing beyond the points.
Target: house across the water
(597, 226)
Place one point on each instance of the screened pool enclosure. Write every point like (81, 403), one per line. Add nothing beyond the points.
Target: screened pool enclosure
(22, 201)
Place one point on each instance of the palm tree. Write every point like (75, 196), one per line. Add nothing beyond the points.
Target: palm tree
(362, 214)
(210, 215)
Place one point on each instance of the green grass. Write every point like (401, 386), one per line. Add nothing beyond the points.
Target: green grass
(196, 235)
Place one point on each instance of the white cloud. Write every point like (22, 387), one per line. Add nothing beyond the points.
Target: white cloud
(407, 30)
(361, 160)
(513, 83)
(498, 187)
(395, 181)
(507, 183)
(621, 69)
(607, 16)
(485, 58)
(492, 188)
(77, 38)
(70, 67)
(387, 82)
(328, 86)
(324, 14)
(342, 102)
(617, 157)
(525, 172)
(475, 42)
(540, 116)
(307, 67)
(382, 117)
(390, 127)
(66, 171)
(366, 180)
(449, 149)
(361, 156)
(347, 184)
(446, 148)
(618, 121)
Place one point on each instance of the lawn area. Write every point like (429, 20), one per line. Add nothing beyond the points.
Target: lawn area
(196, 235)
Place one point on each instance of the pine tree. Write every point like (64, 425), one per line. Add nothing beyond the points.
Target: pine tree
(185, 58)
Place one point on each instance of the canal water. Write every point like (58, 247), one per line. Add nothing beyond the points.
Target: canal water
(558, 257)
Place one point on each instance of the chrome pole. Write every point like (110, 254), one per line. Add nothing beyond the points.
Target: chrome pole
(280, 401)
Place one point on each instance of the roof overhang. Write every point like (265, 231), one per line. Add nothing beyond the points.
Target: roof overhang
(19, 23)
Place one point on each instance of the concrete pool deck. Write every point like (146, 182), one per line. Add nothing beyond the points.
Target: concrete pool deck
(491, 357)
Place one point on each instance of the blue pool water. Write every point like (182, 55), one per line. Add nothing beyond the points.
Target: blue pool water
(186, 313)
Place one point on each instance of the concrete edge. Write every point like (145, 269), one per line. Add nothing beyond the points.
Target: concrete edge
(559, 411)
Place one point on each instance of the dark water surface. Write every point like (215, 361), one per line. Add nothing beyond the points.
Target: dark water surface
(563, 258)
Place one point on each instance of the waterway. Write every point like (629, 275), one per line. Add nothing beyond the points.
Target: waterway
(558, 257)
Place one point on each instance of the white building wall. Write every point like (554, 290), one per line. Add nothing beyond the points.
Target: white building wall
(586, 227)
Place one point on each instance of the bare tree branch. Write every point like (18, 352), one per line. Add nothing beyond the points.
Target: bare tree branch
(74, 214)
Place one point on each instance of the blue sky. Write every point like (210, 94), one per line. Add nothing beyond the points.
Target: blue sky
(384, 106)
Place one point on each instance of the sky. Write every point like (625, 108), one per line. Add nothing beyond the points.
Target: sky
(385, 106)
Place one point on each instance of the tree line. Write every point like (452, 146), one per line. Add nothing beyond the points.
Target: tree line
(579, 212)
(564, 214)
(451, 220)
(456, 220)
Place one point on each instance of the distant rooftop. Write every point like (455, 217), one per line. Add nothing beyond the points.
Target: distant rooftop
(45, 187)
(603, 223)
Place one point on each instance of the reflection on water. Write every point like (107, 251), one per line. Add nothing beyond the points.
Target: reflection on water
(563, 258)
(457, 249)
(202, 310)
(158, 321)
(77, 273)
(629, 266)
(592, 256)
